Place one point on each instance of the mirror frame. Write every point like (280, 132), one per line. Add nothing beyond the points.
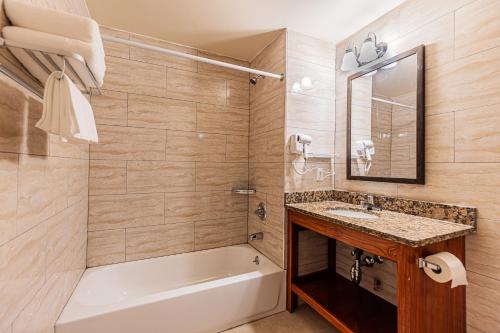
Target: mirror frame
(419, 51)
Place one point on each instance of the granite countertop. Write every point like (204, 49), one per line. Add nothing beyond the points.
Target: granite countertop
(406, 229)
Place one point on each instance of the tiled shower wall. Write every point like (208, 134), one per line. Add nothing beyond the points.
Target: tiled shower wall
(462, 40)
(311, 111)
(266, 150)
(173, 143)
(43, 211)
(277, 110)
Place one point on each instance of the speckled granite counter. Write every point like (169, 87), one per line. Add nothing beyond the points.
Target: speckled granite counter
(403, 228)
(434, 210)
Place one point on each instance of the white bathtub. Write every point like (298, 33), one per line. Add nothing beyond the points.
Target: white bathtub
(199, 292)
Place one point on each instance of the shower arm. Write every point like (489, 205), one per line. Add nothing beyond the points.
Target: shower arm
(192, 57)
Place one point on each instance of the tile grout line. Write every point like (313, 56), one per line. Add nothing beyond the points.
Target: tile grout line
(454, 138)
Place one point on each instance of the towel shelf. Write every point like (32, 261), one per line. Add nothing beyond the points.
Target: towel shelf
(48, 61)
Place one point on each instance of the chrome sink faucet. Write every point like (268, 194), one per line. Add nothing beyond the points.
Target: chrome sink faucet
(369, 204)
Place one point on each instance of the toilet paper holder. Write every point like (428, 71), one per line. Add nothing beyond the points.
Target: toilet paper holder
(424, 263)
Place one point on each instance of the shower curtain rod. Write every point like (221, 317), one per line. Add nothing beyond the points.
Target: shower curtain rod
(393, 103)
(192, 57)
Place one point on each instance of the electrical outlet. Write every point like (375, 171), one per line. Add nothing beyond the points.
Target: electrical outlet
(377, 284)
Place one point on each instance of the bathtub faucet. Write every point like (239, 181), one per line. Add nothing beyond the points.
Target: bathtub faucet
(256, 236)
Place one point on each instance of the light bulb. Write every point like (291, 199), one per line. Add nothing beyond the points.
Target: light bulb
(349, 61)
(368, 51)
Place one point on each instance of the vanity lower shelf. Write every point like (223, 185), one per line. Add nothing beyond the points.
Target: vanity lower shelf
(345, 305)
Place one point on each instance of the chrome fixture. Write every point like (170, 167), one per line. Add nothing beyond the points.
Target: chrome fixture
(256, 260)
(254, 79)
(243, 191)
(261, 211)
(192, 57)
(370, 50)
(359, 261)
(369, 204)
(424, 263)
(256, 236)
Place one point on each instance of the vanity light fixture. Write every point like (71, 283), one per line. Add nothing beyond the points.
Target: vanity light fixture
(370, 51)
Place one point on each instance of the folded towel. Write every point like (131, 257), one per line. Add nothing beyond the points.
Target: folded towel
(54, 22)
(55, 44)
(66, 112)
(42, 41)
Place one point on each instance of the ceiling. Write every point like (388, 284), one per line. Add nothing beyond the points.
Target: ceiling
(237, 28)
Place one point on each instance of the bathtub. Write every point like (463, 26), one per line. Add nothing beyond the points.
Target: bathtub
(199, 292)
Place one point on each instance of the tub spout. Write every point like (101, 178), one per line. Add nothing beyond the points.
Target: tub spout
(256, 236)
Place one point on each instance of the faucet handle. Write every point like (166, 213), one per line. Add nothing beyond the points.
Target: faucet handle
(370, 199)
(261, 211)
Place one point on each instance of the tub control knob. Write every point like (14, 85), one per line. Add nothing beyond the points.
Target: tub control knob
(261, 211)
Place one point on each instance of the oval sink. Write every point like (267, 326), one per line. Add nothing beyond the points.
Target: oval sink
(351, 213)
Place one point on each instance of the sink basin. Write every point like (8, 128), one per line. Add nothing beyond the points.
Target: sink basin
(351, 213)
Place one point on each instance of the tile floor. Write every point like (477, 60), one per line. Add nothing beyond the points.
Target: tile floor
(304, 320)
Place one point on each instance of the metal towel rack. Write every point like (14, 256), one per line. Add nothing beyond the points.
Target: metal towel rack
(50, 61)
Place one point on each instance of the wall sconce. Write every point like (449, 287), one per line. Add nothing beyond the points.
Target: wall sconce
(370, 51)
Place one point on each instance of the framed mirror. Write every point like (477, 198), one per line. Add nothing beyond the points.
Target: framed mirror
(385, 120)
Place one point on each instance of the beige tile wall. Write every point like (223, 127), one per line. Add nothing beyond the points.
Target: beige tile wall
(276, 112)
(266, 151)
(310, 111)
(173, 143)
(462, 41)
(43, 208)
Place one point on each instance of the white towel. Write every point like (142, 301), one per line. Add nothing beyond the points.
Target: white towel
(66, 112)
(42, 41)
(58, 23)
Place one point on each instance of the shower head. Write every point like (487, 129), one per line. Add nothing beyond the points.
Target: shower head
(254, 79)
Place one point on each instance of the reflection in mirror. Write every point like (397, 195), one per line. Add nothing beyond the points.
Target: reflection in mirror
(383, 121)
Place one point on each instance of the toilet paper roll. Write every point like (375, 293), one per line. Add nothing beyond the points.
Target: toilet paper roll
(451, 269)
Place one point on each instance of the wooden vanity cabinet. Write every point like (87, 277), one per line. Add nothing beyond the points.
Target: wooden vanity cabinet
(424, 306)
